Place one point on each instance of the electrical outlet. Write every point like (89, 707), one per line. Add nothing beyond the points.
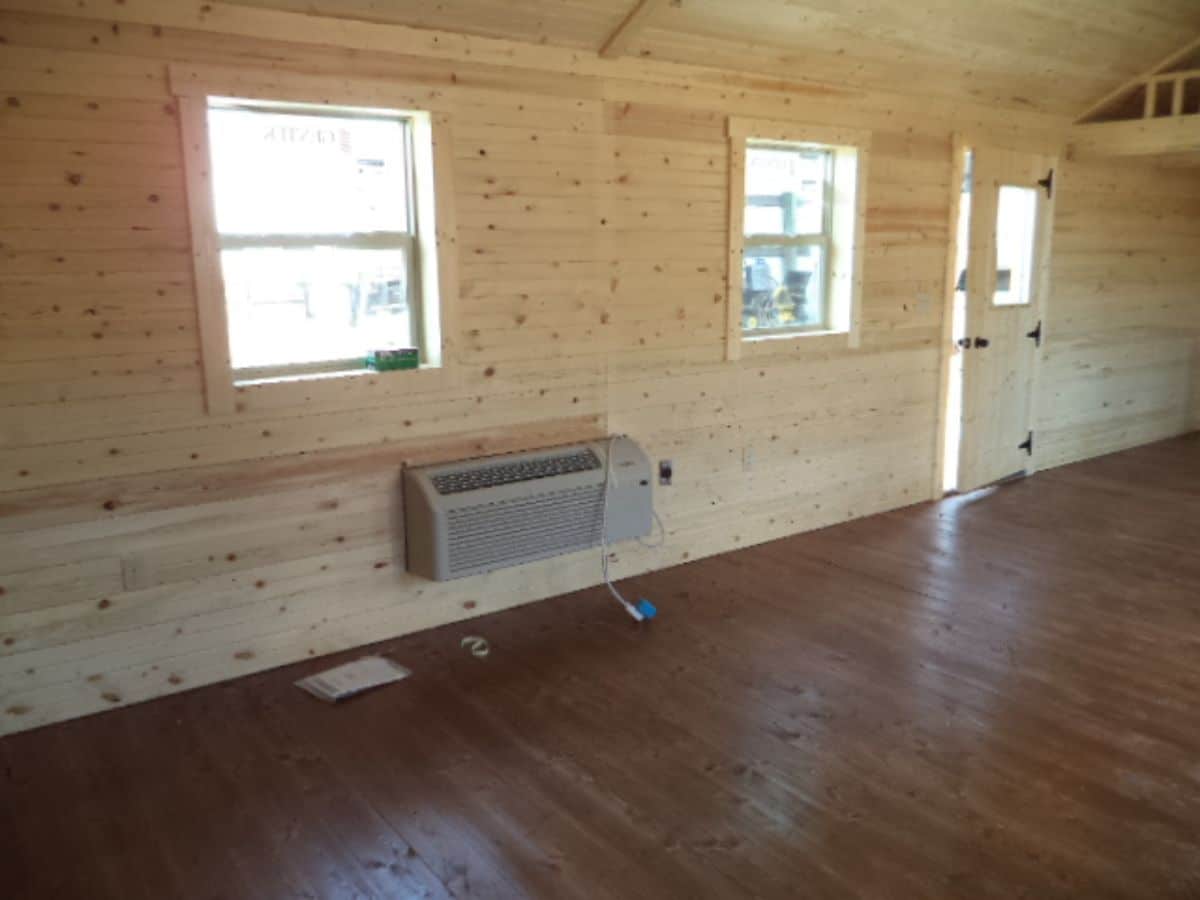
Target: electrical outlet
(747, 458)
(665, 472)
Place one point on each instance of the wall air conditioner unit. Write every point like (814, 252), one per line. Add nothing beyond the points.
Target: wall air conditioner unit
(469, 517)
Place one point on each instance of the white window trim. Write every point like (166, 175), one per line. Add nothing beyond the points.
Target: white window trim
(437, 233)
(851, 149)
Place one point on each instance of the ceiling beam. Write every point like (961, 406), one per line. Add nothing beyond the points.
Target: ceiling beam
(1137, 137)
(631, 26)
(1168, 61)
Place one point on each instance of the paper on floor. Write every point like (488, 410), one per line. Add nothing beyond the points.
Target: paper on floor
(353, 678)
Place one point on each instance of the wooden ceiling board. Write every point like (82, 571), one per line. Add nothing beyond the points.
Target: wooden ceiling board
(1055, 56)
(1049, 56)
(907, 72)
(1006, 31)
(566, 23)
(1178, 160)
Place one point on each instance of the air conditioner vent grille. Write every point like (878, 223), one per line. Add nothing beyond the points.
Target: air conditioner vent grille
(520, 530)
(512, 472)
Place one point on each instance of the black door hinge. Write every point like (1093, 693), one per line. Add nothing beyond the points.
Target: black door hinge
(1048, 184)
(1027, 444)
(1036, 334)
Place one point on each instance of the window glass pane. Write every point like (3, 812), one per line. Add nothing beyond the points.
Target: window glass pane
(785, 190)
(782, 287)
(1016, 224)
(288, 173)
(315, 304)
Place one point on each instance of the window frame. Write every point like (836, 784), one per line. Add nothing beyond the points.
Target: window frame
(405, 241)
(431, 245)
(845, 200)
(822, 239)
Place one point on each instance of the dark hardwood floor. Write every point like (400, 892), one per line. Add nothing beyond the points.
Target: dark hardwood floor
(994, 696)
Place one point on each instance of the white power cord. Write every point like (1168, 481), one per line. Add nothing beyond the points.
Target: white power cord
(662, 532)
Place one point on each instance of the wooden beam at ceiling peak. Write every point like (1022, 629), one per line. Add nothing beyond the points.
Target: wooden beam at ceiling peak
(631, 26)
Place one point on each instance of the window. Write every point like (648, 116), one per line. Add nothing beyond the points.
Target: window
(796, 204)
(322, 232)
(1016, 226)
(316, 224)
(788, 229)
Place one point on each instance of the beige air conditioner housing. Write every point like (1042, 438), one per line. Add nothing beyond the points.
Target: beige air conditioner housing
(478, 515)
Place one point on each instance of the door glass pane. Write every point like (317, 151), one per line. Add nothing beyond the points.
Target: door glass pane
(316, 304)
(785, 190)
(1016, 225)
(290, 173)
(783, 287)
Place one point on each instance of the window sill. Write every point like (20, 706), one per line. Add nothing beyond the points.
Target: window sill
(424, 373)
(794, 342)
(335, 390)
(306, 376)
(783, 335)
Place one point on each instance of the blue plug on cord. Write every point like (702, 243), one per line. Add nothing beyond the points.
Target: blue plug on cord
(646, 608)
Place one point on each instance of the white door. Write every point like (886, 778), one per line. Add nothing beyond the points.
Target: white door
(1012, 204)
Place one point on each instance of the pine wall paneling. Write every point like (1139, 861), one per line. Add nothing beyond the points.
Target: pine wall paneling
(151, 546)
(1120, 360)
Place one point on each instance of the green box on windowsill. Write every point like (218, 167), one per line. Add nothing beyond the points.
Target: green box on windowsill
(390, 360)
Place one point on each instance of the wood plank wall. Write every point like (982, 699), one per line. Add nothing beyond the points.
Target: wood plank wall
(1120, 367)
(146, 547)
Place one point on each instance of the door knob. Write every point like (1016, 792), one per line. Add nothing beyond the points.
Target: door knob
(981, 342)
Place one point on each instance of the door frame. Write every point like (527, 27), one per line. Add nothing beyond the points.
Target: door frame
(959, 146)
